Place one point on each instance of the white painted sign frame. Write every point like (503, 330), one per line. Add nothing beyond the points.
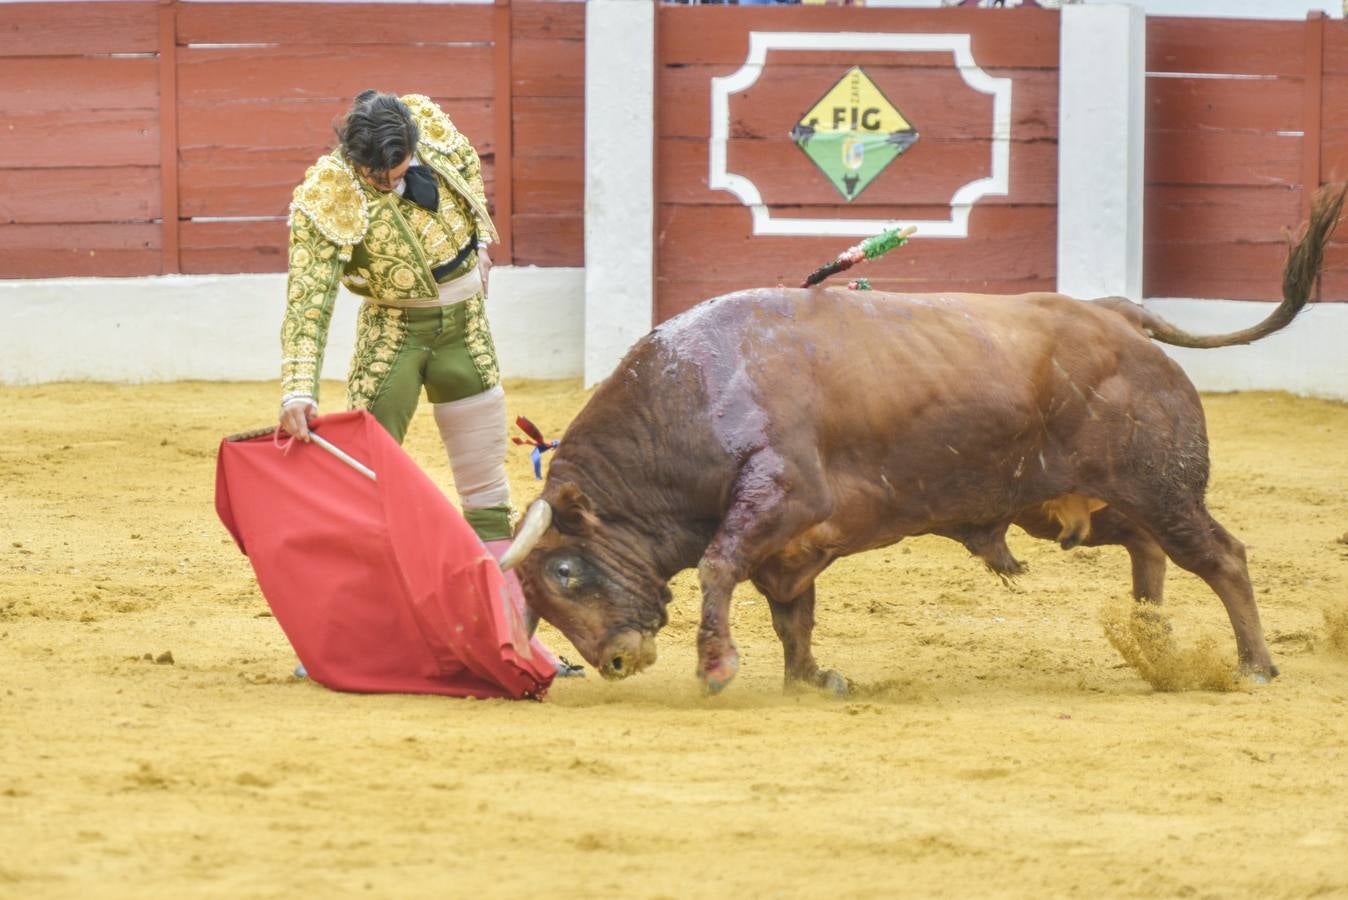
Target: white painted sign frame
(963, 200)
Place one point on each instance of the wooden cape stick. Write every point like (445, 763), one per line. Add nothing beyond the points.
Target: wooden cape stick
(343, 456)
(321, 442)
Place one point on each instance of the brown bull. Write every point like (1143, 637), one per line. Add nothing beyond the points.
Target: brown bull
(764, 434)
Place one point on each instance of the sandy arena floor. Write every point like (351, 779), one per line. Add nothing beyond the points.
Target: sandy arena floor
(998, 747)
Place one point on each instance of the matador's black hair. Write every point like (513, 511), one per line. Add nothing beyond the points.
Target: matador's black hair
(378, 132)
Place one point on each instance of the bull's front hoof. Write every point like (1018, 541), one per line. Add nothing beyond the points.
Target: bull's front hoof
(834, 683)
(1259, 674)
(719, 673)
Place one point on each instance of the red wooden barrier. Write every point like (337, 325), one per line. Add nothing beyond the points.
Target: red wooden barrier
(258, 86)
(1334, 147)
(69, 104)
(1232, 161)
(547, 65)
(220, 107)
(704, 239)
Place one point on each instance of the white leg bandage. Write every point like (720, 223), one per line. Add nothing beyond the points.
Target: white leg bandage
(474, 432)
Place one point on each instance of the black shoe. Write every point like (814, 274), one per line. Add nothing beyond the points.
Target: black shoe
(566, 669)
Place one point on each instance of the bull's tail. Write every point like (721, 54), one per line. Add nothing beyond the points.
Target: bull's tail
(1304, 258)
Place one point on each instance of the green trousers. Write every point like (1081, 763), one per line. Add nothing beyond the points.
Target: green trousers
(446, 350)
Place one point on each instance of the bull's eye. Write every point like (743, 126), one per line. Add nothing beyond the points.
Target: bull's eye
(566, 572)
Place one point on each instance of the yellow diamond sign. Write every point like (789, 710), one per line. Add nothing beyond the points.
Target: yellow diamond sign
(853, 133)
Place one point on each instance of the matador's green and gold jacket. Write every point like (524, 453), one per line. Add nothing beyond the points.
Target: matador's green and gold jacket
(374, 242)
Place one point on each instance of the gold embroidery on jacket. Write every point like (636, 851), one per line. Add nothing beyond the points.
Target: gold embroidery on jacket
(398, 244)
(331, 197)
(395, 267)
(310, 290)
(441, 236)
(451, 154)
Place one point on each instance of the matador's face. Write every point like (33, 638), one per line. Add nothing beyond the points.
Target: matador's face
(386, 181)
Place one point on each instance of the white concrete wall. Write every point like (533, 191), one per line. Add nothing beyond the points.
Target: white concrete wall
(1306, 357)
(619, 179)
(538, 321)
(227, 327)
(1101, 119)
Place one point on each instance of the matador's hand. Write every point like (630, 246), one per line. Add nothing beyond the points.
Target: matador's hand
(295, 418)
(483, 265)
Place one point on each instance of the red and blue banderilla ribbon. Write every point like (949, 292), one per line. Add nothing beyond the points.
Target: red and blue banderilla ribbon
(540, 444)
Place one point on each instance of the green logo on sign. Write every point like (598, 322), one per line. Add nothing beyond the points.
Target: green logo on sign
(853, 133)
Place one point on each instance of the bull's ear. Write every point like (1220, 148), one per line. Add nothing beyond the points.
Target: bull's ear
(572, 511)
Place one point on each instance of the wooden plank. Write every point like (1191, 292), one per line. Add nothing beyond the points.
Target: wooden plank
(677, 294)
(773, 105)
(227, 247)
(303, 128)
(1334, 275)
(1228, 46)
(1265, 105)
(168, 133)
(550, 186)
(237, 183)
(1334, 108)
(694, 35)
(504, 206)
(547, 68)
(77, 29)
(1333, 155)
(549, 240)
(1183, 157)
(1012, 243)
(113, 137)
(1336, 47)
(558, 20)
(1189, 213)
(332, 25)
(54, 251)
(1311, 99)
(929, 173)
(52, 84)
(1230, 271)
(112, 194)
(218, 75)
(549, 127)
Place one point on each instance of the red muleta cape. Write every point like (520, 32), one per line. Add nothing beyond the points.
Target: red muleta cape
(381, 586)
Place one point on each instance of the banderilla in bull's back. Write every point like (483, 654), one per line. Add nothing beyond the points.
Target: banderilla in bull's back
(871, 248)
(762, 435)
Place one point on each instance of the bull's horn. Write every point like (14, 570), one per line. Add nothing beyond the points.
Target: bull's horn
(536, 522)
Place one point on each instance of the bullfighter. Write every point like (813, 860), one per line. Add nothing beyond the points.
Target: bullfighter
(397, 213)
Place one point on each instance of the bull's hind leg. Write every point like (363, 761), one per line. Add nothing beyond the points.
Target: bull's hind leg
(1109, 527)
(1197, 542)
(763, 517)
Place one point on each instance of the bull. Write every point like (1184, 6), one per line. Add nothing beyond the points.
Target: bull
(764, 434)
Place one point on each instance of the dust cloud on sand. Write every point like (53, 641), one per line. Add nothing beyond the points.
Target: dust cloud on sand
(153, 742)
(1144, 637)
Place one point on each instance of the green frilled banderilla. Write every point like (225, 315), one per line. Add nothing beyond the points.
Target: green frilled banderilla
(870, 248)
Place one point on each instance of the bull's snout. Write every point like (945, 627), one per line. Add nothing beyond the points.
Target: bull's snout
(626, 654)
